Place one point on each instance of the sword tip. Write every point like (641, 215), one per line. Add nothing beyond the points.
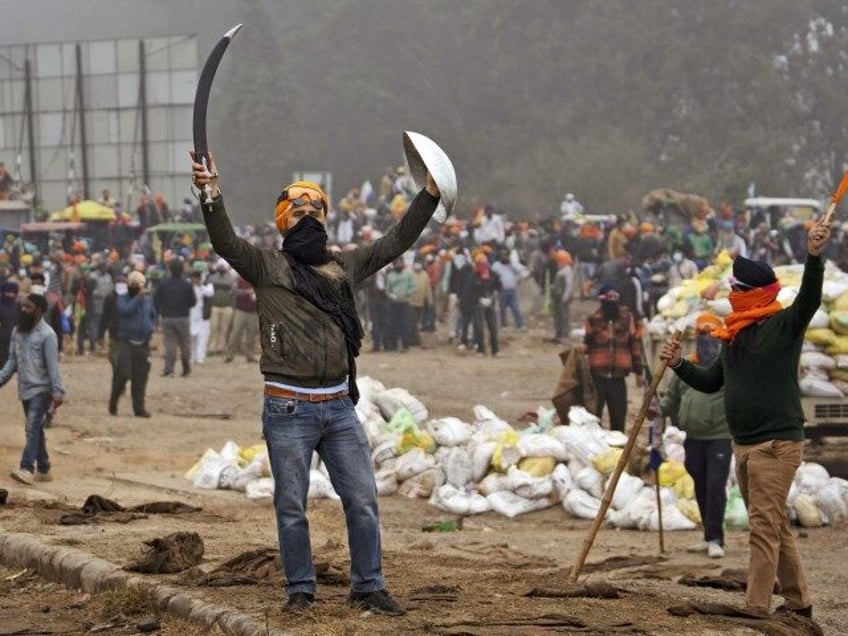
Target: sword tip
(229, 34)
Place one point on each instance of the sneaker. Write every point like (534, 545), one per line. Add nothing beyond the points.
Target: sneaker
(113, 410)
(23, 475)
(806, 612)
(299, 602)
(714, 550)
(701, 546)
(43, 477)
(460, 347)
(142, 414)
(378, 602)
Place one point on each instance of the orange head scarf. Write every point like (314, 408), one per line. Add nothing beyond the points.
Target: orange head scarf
(749, 307)
(283, 209)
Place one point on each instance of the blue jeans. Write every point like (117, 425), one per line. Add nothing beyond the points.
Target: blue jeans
(293, 429)
(35, 451)
(509, 300)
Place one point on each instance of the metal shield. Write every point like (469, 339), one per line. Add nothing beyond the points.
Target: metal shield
(424, 155)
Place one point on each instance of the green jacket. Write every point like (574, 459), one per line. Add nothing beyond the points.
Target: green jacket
(301, 344)
(700, 415)
(762, 400)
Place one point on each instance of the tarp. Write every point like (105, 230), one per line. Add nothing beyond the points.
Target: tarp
(689, 204)
(85, 211)
(177, 227)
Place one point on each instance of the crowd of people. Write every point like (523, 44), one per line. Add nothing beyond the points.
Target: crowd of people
(374, 267)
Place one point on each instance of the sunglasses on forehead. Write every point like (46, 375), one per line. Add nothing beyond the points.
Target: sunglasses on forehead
(301, 196)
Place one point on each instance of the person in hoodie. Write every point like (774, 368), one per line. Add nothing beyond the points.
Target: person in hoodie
(134, 324)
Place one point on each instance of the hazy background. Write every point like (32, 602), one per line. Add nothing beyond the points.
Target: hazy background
(531, 98)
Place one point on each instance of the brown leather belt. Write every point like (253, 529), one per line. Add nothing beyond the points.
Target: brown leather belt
(277, 392)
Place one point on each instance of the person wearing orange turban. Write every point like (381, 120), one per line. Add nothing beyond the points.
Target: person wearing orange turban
(562, 292)
(311, 335)
(758, 369)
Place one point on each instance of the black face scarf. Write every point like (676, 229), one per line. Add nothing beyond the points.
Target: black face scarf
(333, 298)
(307, 242)
(610, 309)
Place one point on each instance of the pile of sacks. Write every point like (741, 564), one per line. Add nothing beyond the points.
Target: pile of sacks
(467, 468)
(824, 361)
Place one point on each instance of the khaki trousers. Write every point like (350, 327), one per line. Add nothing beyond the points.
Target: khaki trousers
(219, 329)
(765, 472)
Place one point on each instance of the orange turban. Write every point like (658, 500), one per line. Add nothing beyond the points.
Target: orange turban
(283, 209)
(563, 258)
(708, 321)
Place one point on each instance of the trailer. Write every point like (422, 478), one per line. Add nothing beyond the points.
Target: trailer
(825, 417)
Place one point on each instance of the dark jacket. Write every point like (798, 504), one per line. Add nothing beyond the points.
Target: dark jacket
(174, 297)
(301, 344)
(136, 318)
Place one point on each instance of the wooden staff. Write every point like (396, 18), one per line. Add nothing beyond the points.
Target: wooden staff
(619, 468)
(836, 198)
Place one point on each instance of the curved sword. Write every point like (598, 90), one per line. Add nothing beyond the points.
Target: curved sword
(201, 99)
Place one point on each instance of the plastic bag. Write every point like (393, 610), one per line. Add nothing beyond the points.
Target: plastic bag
(414, 462)
(538, 466)
(260, 488)
(526, 485)
(626, 490)
(735, 513)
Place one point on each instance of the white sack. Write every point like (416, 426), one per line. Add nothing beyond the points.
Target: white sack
(541, 445)
(511, 505)
(493, 482)
(581, 504)
(590, 480)
(392, 400)
(562, 480)
(526, 485)
(481, 459)
(449, 431)
(626, 490)
(459, 467)
(413, 462)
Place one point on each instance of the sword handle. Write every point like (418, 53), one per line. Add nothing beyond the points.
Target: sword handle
(207, 189)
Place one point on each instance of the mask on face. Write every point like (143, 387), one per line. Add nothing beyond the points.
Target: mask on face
(707, 348)
(677, 257)
(121, 289)
(610, 308)
(25, 321)
(307, 241)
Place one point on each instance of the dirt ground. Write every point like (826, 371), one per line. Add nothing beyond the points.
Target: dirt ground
(473, 581)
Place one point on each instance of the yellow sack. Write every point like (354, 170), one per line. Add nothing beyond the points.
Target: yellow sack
(838, 374)
(684, 487)
(839, 345)
(839, 322)
(841, 302)
(605, 462)
(538, 466)
(689, 508)
(509, 438)
(670, 471)
(820, 336)
(416, 439)
(248, 454)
